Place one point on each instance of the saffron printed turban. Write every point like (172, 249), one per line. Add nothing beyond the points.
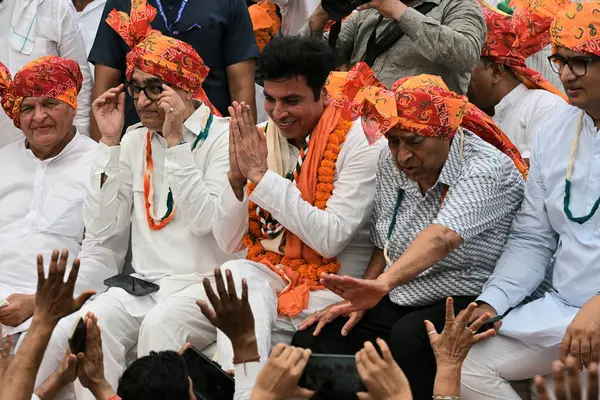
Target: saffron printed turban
(265, 22)
(577, 27)
(420, 104)
(169, 59)
(512, 39)
(50, 76)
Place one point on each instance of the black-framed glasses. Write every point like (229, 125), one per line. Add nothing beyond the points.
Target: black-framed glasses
(152, 92)
(577, 64)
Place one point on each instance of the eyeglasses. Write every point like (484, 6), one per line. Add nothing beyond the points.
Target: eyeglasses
(152, 92)
(578, 64)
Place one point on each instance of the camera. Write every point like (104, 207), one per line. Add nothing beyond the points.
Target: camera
(339, 9)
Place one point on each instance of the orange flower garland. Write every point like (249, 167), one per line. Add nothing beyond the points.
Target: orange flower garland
(325, 177)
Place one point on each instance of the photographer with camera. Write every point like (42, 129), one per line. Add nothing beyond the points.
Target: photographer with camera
(398, 39)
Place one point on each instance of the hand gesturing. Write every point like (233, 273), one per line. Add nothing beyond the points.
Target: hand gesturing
(109, 112)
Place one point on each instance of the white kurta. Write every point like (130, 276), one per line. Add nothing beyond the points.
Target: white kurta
(294, 14)
(521, 113)
(41, 203)
(541, 228)
(176, 258)
(56, 33)
(340, 230)
(89, 20)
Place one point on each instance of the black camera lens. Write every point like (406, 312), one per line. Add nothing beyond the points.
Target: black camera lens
(339, 9)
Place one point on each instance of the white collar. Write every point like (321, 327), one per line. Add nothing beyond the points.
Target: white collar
(511, 98)
(67, 149)
(91, 7)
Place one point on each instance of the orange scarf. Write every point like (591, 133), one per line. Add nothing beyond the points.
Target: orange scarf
(301, 266)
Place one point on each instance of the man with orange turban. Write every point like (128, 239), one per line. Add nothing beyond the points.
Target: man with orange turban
(518, 98)
(163, 177)
(555, 231)
(41, 194)
(448, 187)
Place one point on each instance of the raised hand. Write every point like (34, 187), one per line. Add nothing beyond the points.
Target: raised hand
(391, 9)
(237, 180)
(280, 376)
(232, 315)
(381, 375)
(109, 113)
(19, 309)
(54, 297)
(569, 386)
(176, 112)
(453, 344)
(250, 143)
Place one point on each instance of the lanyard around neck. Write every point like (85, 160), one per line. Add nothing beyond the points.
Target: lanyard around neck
(161, 11)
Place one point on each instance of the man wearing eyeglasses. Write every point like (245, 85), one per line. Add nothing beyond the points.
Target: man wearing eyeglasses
(164, 178)
(557, 227)
(518, 98)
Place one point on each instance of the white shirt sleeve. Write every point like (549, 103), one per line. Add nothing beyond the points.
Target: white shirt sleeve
(327, 231)
(547, 106)
(531, 243)
(107, 208)
(230, 223)
(195, 191)
(72, 46)
(245, 378)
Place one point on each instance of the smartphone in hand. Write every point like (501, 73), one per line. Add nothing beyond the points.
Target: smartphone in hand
(489, 323)
(332, 373)
(78, 336)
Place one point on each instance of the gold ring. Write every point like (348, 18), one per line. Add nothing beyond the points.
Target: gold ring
(431, 333)
(473, 332)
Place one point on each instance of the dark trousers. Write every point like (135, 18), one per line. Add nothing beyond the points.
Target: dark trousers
(404, 330)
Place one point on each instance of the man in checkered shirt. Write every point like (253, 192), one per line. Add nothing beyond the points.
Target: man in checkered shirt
(447, 192)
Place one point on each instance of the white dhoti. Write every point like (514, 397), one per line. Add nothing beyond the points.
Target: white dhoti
(271, 329)
(164, 321)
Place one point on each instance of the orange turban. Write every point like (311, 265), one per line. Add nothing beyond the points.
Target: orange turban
(50, 76)
(512, 39)
(171, 60)
(421, 104)
(577, 27)
(265, 22)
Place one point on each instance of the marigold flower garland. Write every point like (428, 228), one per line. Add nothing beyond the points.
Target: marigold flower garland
(325, 177)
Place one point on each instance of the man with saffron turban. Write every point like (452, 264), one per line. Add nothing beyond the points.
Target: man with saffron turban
(448, 186)
(42, 190)
(298, 199)
(555, 230)
(517, 97)
(164, 178)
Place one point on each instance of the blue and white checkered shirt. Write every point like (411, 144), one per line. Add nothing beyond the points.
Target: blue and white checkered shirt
(485, 190)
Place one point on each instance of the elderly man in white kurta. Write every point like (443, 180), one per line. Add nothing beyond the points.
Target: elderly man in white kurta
(41, 193)
(163, 177)
(558, 217)
(312, 182)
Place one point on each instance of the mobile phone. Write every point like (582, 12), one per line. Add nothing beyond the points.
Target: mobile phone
(209, 380)
(329, 373)
(132, 285)
(489, 323)
(78, 337)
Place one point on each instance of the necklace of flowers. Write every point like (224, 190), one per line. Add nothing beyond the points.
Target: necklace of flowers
(567, 196)
(154, 222)
(325, 177)
(269, 226)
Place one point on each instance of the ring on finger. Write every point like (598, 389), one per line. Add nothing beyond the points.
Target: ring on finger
(171, 110)
(473, 331)
(431, 333)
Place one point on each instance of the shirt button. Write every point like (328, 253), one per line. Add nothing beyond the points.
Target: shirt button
(171, 7)
(593, 180)
(597, 156)
(590, 202)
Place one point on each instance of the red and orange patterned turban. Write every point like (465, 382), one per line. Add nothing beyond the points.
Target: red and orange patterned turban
(171, 60)
(512, 39)
(577, 27)
(50, 76)
(421, 104)
(265, 22)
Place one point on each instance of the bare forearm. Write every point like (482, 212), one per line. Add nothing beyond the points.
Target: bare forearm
(431, 246)
(376, 265)
(49, 389)
(20, 377)
(447, 381)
